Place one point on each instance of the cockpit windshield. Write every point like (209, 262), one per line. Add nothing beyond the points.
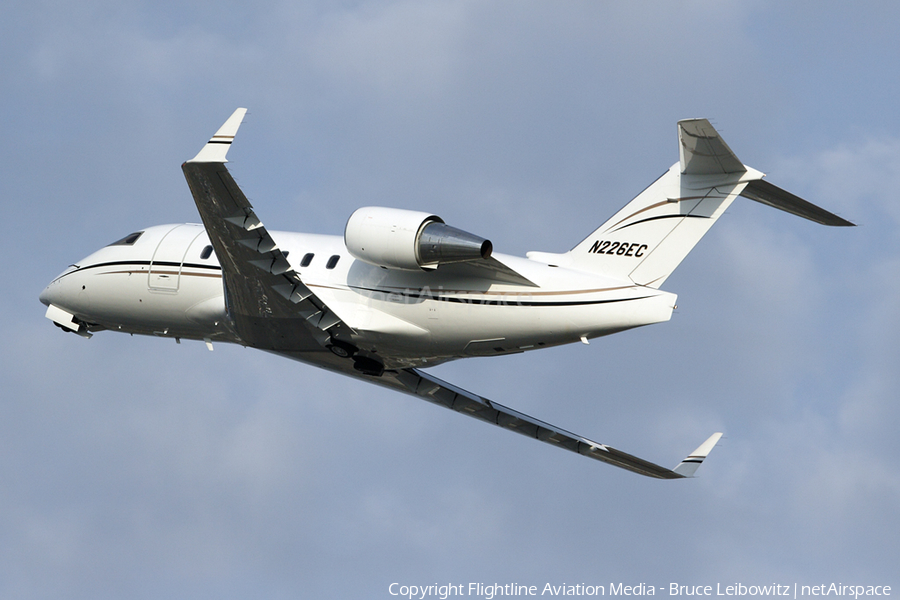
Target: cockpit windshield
(128, 240)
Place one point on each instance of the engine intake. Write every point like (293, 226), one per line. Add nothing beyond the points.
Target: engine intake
(409, 240)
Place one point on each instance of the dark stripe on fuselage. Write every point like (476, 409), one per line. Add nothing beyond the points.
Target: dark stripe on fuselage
(409, 295)
(139, 263)
(142, 263)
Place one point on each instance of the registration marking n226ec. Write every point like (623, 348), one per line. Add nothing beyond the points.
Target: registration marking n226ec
(618, 248)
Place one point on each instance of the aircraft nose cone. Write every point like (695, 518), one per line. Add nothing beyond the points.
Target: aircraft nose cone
(46, 296)
(53, 293)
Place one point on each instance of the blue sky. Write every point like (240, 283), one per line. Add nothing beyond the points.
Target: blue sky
(139, 468)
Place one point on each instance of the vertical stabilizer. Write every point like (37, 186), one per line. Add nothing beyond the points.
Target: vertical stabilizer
(646, 240)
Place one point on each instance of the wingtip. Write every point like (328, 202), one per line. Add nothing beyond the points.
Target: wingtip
(692, 462)
(217, 147)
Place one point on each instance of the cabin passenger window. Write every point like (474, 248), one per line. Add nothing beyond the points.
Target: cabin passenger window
(307, 258)
(207, 252)
(332, 261)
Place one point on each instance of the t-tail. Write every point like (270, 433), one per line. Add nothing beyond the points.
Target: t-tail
(651, 235)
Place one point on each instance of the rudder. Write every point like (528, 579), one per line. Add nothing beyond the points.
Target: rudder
(651, 235)
(646, 240)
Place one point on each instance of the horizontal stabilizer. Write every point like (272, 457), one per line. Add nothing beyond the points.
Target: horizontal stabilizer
(764, 192)
(689, 465)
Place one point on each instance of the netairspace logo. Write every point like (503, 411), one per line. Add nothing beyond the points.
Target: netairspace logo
(490, 591)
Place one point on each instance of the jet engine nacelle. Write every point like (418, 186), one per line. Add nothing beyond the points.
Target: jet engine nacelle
(410, 240)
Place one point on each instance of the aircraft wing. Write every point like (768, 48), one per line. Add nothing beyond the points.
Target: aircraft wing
(268, 302)
(425, 386)
(272, 309)
(432, 389)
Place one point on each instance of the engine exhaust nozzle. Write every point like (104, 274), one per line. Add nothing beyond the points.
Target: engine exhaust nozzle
(440, 244)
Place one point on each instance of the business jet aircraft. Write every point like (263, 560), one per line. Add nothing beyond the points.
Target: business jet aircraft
(402, 290)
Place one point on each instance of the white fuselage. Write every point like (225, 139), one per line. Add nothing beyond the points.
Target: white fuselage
(169, 283)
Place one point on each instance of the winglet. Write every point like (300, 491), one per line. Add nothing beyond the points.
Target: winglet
(217, 147)
(689, 465)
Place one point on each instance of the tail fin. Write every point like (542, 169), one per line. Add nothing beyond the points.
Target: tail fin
(651, 235)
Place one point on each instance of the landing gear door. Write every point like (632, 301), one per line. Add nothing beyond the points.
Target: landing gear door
(165, 267)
